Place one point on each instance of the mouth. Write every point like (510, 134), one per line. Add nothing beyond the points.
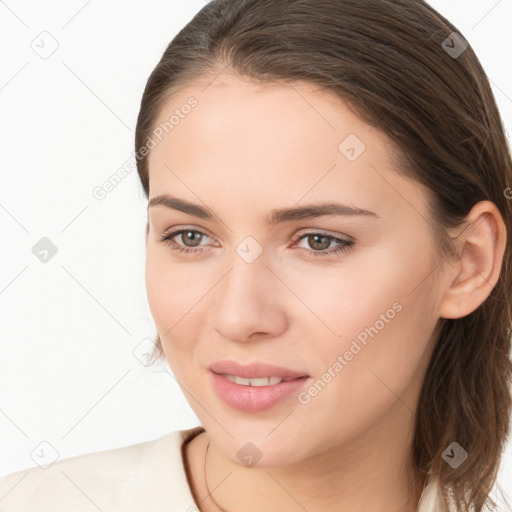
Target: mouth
(252, 374)
(258, 381)
(252, 398)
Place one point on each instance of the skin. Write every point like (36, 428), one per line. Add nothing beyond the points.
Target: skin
(245, 150)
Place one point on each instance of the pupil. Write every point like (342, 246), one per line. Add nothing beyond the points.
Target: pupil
(194, 235)
(315, 242)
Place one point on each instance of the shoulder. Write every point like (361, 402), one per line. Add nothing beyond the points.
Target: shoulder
(149, 475)
(431, 498)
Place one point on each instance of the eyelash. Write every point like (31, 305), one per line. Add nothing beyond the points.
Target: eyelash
(166, 238)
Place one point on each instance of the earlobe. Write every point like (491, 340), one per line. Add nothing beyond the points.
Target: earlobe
(481, 249)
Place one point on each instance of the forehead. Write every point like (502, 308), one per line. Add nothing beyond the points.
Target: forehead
(278, 141)
(250, 113)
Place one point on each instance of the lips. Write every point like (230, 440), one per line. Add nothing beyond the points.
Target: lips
(255, 370)
(256, 398)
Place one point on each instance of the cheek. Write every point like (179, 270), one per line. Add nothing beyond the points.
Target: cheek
(176, 300)
(383, 322)
(341, 301)
(373, 367)
(378, 309)
(167, 291)
(159, 293)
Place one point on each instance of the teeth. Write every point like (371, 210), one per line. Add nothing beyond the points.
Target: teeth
(260, 381)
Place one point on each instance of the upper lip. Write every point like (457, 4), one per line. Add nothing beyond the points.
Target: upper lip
(254, 370)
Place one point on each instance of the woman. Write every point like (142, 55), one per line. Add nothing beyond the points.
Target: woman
(327, 267)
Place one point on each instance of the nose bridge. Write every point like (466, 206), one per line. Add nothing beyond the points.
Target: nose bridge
(244, 299)
(242, 284)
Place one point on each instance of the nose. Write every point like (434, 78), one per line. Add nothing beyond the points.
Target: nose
(248, 302)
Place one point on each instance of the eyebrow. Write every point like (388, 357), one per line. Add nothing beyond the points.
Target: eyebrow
(276, 216)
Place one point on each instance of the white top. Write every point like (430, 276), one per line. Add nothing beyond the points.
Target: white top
(148, 476)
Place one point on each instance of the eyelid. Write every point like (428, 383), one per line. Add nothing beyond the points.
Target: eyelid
(345, 243)
(175, 230)
(326, 232)
(303, 231)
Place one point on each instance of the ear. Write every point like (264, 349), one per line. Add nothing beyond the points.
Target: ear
(481, 246)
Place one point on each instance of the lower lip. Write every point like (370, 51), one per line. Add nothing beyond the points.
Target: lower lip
(254, 398)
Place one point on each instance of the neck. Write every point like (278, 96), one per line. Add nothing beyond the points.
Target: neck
(360, 475)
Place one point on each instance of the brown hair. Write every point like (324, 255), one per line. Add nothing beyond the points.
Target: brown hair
(390, 60)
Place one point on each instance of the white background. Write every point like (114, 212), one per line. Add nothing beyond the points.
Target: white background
(68, 328)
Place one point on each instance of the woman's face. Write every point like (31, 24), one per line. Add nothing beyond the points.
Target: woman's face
(357, 322)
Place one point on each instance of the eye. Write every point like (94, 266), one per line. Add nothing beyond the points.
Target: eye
(192, 238)
(318, 241)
